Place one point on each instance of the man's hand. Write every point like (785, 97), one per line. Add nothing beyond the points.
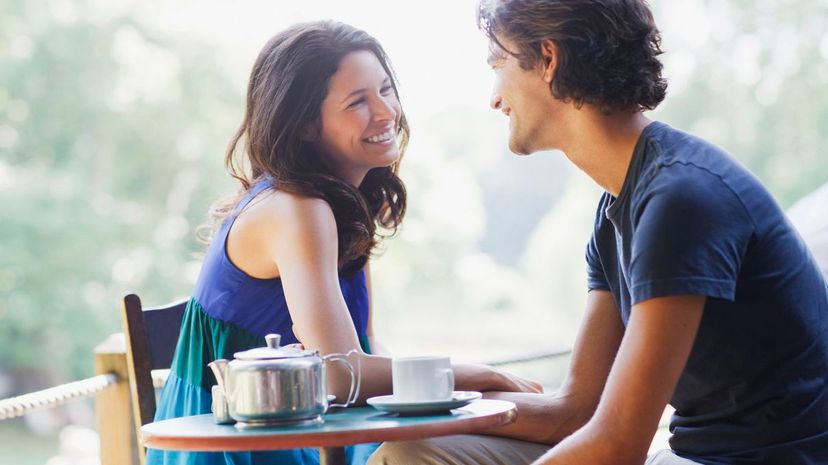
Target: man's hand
(550, 418)
(653, 352)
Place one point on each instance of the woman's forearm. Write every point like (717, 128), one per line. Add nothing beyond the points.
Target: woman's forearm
(375, 377)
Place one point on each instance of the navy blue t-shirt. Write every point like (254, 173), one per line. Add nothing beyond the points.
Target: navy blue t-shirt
(691, 220)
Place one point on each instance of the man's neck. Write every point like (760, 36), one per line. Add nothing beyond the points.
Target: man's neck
(602, 146)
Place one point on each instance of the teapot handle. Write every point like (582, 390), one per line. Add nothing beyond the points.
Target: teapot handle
(356, 375)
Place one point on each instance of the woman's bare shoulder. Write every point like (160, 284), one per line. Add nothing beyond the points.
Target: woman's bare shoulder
(277, 212)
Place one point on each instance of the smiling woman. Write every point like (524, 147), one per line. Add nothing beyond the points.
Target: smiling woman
(288, 253)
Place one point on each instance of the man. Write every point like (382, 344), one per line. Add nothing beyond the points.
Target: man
(700, 292)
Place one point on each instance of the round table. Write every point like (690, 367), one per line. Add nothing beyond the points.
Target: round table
(339, 428)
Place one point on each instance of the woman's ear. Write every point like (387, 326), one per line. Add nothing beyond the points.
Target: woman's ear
(549, 56)
(310, 133)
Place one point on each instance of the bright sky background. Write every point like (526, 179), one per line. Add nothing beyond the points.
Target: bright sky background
(435, 46)
(438, 53)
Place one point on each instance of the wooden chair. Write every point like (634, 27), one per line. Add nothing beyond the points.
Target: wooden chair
(151, 335)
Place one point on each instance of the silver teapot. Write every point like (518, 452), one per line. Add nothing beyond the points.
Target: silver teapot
(277, 385)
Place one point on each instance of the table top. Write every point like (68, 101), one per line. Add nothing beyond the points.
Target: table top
(339, 428)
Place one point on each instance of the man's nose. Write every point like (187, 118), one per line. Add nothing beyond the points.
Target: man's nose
(495, 101)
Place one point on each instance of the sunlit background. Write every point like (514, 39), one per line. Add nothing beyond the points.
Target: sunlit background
(114, 116)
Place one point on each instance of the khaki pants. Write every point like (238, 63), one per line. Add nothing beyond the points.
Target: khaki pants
(470, 449)
(668, 457)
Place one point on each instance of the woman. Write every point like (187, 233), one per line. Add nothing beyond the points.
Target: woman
(317, 155)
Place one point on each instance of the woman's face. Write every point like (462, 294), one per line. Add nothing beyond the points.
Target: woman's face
(360, 116)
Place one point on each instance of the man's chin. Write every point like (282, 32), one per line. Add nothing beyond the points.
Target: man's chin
(520, 149)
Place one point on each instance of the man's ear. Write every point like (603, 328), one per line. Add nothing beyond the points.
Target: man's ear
(549, 59)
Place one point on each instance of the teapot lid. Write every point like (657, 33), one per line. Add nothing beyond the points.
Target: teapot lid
(273, 351)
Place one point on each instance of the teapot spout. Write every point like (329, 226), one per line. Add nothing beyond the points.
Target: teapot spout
(219, 368)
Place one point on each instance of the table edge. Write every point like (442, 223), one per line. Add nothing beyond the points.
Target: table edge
(327, 439)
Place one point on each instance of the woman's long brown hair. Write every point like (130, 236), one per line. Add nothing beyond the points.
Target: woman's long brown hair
(288, 83)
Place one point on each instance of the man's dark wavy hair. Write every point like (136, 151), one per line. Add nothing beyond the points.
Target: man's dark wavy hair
(607, 49)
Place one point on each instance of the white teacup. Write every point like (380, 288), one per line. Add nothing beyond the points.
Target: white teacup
(422, 379)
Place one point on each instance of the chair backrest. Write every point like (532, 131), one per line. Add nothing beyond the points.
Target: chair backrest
(151, 335)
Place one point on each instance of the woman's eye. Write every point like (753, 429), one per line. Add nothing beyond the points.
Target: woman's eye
(356, 102)
(385, 90)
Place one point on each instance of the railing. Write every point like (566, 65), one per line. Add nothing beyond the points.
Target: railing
(533, 357)
(113, 409)
(52, 397)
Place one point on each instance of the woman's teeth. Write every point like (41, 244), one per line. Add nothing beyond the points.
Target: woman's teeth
(384, 137)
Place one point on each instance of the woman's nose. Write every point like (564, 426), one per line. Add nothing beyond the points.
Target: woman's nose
(385, 110)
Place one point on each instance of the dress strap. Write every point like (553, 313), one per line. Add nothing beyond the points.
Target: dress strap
(255, 189)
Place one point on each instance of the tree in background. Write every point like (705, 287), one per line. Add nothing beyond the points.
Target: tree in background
(111, 136)
(752, 78)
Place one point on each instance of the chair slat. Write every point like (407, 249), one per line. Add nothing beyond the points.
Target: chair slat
(163, 326)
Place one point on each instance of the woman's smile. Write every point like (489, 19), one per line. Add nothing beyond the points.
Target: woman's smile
(383, 138)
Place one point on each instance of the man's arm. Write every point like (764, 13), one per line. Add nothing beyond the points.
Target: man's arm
(550, 418)
(654, 350)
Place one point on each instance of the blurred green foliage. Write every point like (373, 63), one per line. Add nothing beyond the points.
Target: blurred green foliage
(757, 87)
(102, 177)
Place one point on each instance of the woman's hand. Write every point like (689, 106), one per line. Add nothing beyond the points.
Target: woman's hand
(470, 377)
(516, 383)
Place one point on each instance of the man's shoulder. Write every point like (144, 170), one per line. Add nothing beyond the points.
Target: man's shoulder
(671, 146)
(687, 163)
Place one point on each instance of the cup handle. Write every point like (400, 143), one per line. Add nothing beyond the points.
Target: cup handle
(356, 375)
(449, 381)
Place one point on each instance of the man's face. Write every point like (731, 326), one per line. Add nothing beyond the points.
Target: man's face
(522, 95)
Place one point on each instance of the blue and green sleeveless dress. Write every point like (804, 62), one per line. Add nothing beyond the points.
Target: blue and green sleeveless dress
(231, 311)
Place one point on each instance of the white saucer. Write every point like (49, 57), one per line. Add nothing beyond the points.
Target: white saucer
(389, 404)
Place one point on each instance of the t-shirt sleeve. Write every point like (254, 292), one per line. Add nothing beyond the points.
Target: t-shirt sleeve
(691, 233)
(596, 278)
(596, 275)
